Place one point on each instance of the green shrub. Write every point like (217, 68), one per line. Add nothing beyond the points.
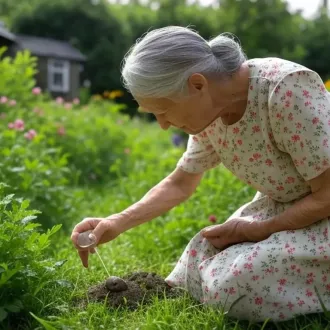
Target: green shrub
(17, 77)
(36, 172)
(92, 137)
(26, 271)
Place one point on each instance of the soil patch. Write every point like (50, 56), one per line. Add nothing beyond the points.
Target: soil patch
(132, 290)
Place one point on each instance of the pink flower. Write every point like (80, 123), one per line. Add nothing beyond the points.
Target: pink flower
(232, 290)
(256, 156)
(282, 281)
(127, 151)
(19, 125)
(3, 99)
(68, 106)
(316, 120)
(61, 131)
(268, 162)
(295, 138)
(309, 293)
(256, 129)
(31, 134)
(12, 103)
(290, 179)
(258, 300)
(59, 100)
(212, 218)
(11, 125)
(76, 101)
(38, 111)
(306, 93)
(36, 91)
(193, 253)
(236, 158)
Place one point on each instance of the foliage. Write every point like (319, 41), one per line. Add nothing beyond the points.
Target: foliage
(17, 76)
(47, 146)
(25, 268)
(93, 138)
(33, 169)
(104, 43)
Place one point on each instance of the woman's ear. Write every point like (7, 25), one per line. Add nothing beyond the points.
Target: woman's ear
(197, 82)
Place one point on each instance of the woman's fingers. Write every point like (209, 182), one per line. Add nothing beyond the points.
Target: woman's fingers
(84, 225)
(212, 231)
(84, 257)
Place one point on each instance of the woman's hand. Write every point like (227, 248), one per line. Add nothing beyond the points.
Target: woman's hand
(103, 230)
(235, 231)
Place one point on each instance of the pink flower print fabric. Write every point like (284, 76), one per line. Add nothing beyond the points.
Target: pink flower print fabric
(281, 141)
(200, 155)
(300, 116)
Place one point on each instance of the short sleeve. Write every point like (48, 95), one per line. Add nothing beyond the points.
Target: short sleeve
(200, 155)
(300, 114)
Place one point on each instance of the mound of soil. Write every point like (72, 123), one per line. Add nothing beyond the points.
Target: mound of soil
(132, 290)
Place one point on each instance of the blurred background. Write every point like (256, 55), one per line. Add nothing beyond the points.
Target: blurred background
(80, 43)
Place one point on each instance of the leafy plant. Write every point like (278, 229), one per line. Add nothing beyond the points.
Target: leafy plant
(17, 76)
(25, 268)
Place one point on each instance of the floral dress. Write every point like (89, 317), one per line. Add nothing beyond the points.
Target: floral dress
(281, 141)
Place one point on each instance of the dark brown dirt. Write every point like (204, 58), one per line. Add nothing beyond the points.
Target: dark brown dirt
(139, 289)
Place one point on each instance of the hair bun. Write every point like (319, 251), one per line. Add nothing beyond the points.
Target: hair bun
(228, 51)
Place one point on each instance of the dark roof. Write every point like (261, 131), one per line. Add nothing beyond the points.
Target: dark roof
(49, 48)
(5, 33)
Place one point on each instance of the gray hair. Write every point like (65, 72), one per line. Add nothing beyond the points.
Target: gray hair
(161, 62)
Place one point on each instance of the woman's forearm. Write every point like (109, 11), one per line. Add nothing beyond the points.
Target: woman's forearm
(303, 213)
(169, 193)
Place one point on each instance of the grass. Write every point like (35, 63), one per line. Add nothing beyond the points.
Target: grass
(154, 246)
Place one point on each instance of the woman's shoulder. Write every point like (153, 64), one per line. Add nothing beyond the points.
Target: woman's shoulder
(273, 69)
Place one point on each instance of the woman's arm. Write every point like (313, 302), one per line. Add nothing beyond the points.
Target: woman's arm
(171, 191)
(306, 211)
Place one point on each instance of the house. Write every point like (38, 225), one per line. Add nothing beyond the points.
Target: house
(59, 64)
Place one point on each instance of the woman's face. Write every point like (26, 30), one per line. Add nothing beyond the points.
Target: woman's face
(191, 113)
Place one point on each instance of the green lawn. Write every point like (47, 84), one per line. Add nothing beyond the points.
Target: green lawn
(93, 161)
(154, 246)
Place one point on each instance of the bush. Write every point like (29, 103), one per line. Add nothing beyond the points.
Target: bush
(92, 137)
(35, 171)
(48, 147)
(17, 77)
(24, 267)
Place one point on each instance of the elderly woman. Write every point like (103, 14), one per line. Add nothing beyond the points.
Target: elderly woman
(267, 120)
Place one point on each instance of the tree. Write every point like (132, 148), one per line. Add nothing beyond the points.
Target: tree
(92, 28)
(317, 45)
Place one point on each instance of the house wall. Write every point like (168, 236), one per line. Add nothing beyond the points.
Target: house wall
(74, 79)
(42, 74)
(42, 79)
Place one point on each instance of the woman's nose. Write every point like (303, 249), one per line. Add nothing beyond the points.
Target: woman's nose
(163, 123)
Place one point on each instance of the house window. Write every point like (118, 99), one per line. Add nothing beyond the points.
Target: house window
(58, 75)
